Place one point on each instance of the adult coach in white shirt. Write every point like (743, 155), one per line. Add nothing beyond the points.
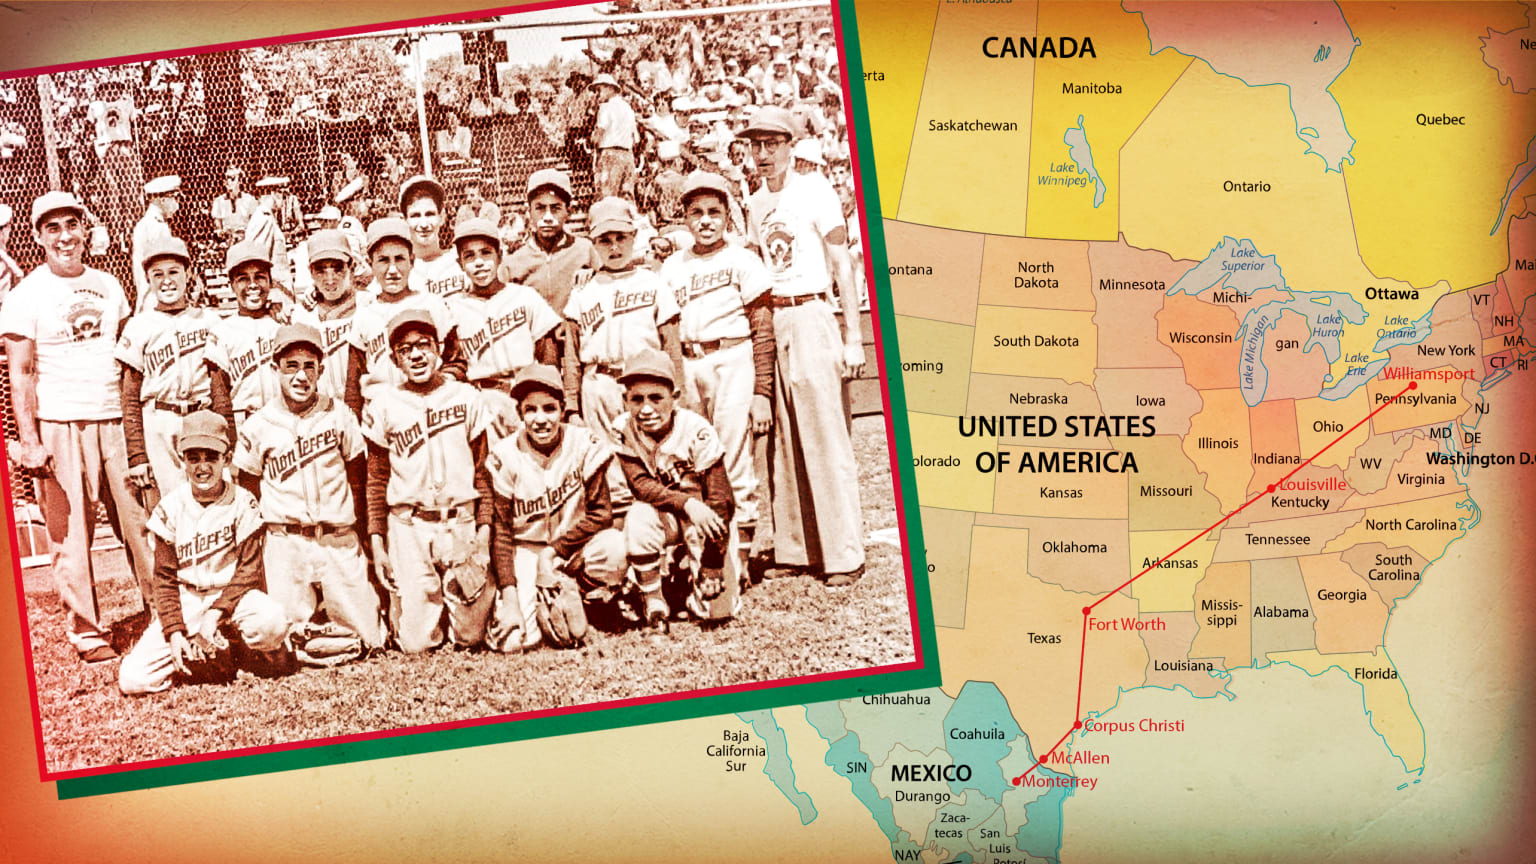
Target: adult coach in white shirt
(61, 324)
(614, 137)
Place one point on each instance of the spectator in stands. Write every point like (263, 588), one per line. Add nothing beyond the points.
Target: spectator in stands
(614, 137)
(264, 232)
(476, 206)
(121, 177)
(453, 141)
(232, 210)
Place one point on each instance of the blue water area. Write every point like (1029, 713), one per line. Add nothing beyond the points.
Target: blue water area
(980, 710)
(1076, 140)
(846, 749)
(1326, 314)
(1396, 333)
(778, 766)
(827, 718)
(1040, 835)
(1353, 378)
(1234, 265)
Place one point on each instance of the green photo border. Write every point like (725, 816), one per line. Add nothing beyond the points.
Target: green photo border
(493, 732)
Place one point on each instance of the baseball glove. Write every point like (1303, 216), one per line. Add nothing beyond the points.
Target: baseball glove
(561, 614)
(325, 645)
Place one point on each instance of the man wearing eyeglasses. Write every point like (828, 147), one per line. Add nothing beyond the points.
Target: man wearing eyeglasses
(164, 194)
(795, 222)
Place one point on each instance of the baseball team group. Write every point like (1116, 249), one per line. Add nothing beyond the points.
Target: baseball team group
(448, 443)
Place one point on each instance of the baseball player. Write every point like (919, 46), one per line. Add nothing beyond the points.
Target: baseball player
(552, 507)
(303, 455)
(621, 310)
(422, 200)
(392, 260)
(796, 224)
(336, 305)
(549, 259)
(208, 570)
(429, 501)
(672, 459)
(726, 325)
(239, 352)
(501, 328)
(164, 194)
(165, 376)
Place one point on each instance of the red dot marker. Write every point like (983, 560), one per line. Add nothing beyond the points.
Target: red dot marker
(1087, 609)
(1017, 781)
(1270, 489)
(1077, 725)
(1413, 385)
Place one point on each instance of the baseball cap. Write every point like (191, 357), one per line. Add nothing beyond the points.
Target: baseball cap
(698, 182)
(809, 149)
(245, 252)
(163, 185)
(536, 376)
(770, 120)
(50, 202)
(552, 178)
(165, 246)
(610, 214)
(410, 319)
(648, 363)
(290, 335)
(421, 183)
(207, 430)
(329, 212)
(387, 228)
(668, 148)
(328, 244)
(483, 228)
(604, 79)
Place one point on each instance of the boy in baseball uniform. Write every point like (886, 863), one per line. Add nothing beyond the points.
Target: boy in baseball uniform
(302, 454)
(164, 374)
(621, 310)
(673, 461)
(429, 498)
(501, 328)
(391, 257)
(239, 352)
(726, 326)
(436, 272)
(331, 266)
(207, 537)
(552, 506)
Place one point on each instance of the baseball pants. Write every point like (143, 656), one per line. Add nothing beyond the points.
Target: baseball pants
(649, 534)
(296, 564)
(602, 401)
(160, 430)
(817, 522)
(416, 610)
(514, 618)
(613, 172)
(90, 460)
(148, 667)
(722, 382)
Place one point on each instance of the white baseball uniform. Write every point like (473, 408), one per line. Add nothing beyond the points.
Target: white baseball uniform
(307, 505)
(241, 346)
(335, 339)
(441, 276)
(432, 499)
(168, 350)
(198, 569)
(548, 499)
(370, 334)
(616, 316)
(713, 291)
(498, 333)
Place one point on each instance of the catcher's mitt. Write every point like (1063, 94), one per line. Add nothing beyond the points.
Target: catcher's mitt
(325, 645)
(561, 614)
(217, 665)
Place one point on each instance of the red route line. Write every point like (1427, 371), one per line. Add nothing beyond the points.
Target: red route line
(1077, 715)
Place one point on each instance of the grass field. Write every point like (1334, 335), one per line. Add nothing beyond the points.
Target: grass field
(789, 627)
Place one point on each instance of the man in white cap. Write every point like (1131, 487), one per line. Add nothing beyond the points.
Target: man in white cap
(808, 158)
(10, 271)
(232, 210)
(796, 223)
(613, 137)
(61, 324)
(164, 194)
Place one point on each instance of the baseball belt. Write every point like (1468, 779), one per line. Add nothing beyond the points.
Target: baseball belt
(495, 382)
(309, 531)
(710, 346)
(781, 302)
(182, 408)
(455, 513)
